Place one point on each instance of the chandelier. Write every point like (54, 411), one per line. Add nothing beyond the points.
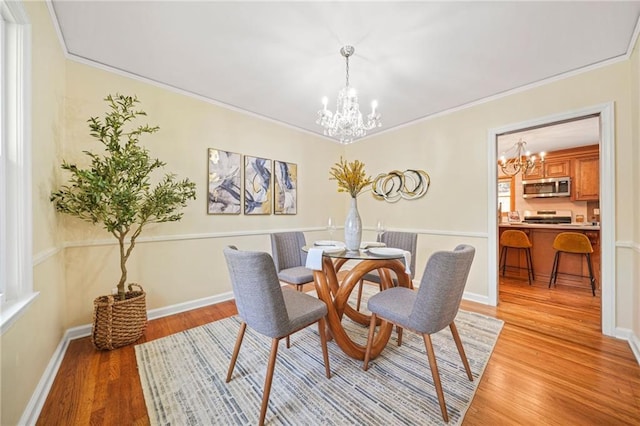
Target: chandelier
(347, 123)
(520, 160)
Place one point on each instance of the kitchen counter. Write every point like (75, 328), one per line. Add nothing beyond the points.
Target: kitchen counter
(573, 268)
(564, 226)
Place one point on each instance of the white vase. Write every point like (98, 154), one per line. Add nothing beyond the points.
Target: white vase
(353, 227)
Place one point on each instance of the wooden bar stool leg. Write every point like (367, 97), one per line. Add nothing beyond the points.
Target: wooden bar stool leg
(554, 268)
(529, 267)
(555, 273)
(503, 259)
(591, 277)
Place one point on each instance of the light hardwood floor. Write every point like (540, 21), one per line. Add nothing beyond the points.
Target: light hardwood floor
(551, 366)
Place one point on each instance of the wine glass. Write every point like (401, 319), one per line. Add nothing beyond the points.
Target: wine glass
(331, 227)
(380, 229)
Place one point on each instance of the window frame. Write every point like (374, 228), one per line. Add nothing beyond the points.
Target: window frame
(15, 182)
(512, 194)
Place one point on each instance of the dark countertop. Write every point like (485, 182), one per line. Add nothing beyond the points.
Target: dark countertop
(565, 226)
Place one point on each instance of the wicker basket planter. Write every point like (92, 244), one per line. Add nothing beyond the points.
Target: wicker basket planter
(119, 323)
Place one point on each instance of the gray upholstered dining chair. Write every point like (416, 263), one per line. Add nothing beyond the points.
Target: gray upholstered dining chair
(403, 240)
(429, 309)
(269, 309)
(289, 259)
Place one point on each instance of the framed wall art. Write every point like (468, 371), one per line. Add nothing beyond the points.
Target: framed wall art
(257, 185)
(225, 178)
(285, 189)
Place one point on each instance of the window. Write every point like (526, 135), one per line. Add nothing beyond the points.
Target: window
(3, 150)
(16, 267)
(506, 195)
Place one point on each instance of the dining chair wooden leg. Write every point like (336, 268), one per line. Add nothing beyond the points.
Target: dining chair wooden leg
(268, 379)
(399, 331)
(463, 356)
(436, 376)
(236, 350)
(359, 295)
(288, 342)
(322, 330)
(367, 354)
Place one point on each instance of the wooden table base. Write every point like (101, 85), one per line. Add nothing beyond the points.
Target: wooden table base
(336, 294)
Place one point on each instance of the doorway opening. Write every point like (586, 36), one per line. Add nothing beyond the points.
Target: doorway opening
(580, 211)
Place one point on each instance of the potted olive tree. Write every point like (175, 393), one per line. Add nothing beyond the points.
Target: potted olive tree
(115, 191)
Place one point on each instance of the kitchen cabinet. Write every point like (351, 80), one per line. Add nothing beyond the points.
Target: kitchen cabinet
(581, 164)
(557, 168)
(586, 181)
(550, 168)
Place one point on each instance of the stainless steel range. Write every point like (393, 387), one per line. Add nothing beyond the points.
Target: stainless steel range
(547, 216)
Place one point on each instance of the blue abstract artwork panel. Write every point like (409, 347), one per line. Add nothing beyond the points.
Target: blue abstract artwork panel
(224, 190)
(285, 187)
(257, 185)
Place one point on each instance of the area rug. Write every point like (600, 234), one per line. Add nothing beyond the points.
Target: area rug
(183, 377)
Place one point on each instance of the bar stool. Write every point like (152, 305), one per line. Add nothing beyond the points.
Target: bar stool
(572, 242)
(518, 240)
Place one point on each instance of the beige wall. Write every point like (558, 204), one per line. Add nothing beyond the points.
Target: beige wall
(180, 262)
(186, 263)
(29, 344)
(635, 93)
(453, 149)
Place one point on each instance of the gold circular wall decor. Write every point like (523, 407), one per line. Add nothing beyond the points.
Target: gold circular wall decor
(393, 186)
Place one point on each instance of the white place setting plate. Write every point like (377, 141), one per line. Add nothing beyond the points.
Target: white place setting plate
(329, 243)
(369, 244)
(332, 249)
(385, 251)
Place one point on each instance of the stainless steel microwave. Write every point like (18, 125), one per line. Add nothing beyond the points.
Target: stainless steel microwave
(543, 188)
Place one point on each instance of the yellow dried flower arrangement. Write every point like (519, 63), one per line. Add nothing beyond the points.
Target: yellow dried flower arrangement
(351, 177)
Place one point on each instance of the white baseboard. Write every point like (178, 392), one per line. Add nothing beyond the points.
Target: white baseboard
(634, 341)
(187, 306)
(32, 410)
(473, 297)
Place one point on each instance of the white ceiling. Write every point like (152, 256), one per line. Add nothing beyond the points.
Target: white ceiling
(553, 137)
(278, 59)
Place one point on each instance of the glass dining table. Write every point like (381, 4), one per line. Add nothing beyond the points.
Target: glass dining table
(335, 293)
